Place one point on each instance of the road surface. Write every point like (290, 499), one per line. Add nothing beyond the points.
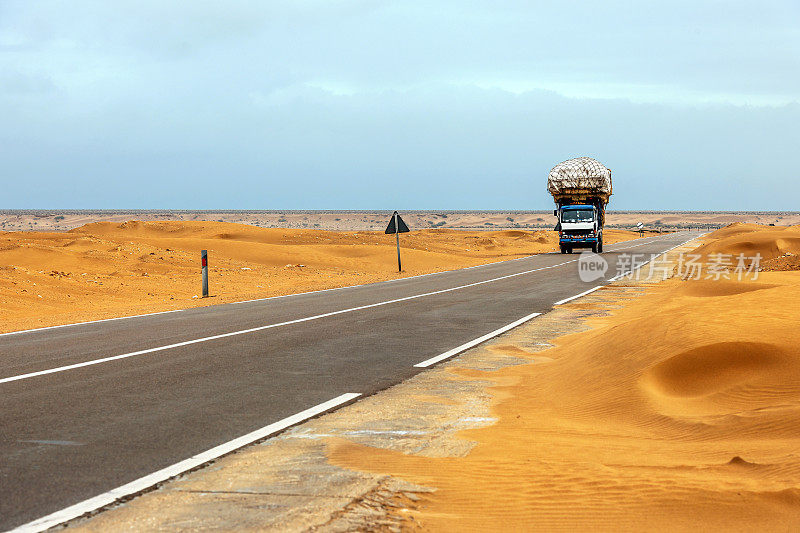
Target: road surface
(180, 383)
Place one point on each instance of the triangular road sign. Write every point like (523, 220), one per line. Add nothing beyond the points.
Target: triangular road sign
(401, 226)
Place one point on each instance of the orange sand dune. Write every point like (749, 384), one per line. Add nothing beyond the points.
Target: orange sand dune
(769, 241)
(777, 246)
(680, 412)
(106, 269)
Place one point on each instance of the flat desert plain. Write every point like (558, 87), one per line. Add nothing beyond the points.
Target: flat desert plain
(108, 269)
(678, 411)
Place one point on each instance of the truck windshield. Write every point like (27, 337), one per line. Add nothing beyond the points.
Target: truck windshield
(577, 215)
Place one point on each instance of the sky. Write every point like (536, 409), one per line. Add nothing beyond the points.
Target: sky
(356, 104)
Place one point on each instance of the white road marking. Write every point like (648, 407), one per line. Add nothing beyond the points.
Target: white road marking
(380, 282)
(652, 240)
(269, 326)
(294, 294)
(450, 353)
(143, 483)
(665, 252)
(584, 293)
(457, 350)
(88, 322)
(383, 282)
(618, 276)
(53, 442)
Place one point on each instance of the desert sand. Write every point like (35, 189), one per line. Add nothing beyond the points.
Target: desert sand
(62, 220)
(778, 246)
(104, 269)
(677, 412)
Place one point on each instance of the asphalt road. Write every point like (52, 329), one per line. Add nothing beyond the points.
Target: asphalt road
(72, 434)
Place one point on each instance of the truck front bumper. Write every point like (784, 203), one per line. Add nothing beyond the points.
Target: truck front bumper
(577, 240)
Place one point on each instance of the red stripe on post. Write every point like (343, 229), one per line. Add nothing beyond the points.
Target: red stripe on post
(204, 261)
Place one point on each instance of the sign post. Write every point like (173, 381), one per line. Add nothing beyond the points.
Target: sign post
(204, 264)
(397, 238)
(397, 226)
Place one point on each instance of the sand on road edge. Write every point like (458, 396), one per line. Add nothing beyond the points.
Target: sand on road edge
(675, 412)
(287, 483)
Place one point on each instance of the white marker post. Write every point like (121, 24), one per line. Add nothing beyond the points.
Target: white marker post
(204, 264)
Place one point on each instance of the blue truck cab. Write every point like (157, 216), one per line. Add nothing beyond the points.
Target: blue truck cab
(579, 226)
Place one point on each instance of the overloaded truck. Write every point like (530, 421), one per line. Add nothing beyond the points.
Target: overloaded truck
(581, 188)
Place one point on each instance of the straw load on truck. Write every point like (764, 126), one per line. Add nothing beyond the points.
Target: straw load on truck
(581, 188)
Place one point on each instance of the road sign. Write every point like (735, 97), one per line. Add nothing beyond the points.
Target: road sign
(397, 226)
(396, 222)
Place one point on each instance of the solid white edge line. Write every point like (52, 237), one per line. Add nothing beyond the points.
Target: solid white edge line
(92, 504)
(651, 239)
(150, 480)
(450, 353)
(294, 294)
(264, 299)
(584, 293)
(89, 322)
(279, 324)
(382, 282)
(269, 326)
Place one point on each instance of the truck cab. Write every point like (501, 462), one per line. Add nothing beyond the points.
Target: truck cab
(579, 226)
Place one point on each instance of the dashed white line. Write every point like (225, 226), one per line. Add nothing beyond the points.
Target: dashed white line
(143, 483)
(584, 293)
(622, 275)
(467, 345)
(270, 326)
(640, 265)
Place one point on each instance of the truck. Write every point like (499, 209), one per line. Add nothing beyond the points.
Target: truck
(581, 189)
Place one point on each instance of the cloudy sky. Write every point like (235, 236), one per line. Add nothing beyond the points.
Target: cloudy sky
(356, 104)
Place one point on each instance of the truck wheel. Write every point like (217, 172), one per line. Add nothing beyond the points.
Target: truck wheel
(563, 249)
(594, 248)
(600, 245)
(569, 249)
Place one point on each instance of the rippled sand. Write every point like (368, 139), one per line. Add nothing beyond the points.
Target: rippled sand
(679, 412)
